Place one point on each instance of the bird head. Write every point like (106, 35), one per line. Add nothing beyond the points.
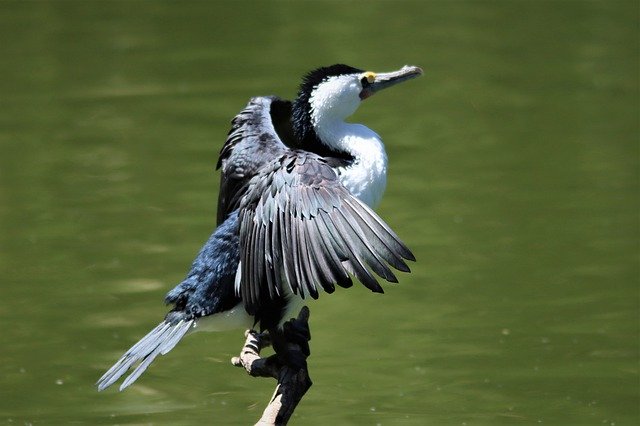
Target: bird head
(335, 92)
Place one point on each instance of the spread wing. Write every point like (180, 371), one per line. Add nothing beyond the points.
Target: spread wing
(252, 143)
(302, 231)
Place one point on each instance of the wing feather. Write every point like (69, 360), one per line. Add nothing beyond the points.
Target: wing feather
(258, 256)
(307, 264)
(308, 232)
(380, 228)
(268, 261)
(330, 253)
(367, 251)
(276, 253)
(252, 142)
(322, 268)
(381, 246)
(287, 250)
(355, 260)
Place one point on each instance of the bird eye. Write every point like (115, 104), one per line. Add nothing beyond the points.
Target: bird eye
(369, 77)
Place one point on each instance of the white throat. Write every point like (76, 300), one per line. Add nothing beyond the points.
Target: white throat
(331, 103)
(366, 177)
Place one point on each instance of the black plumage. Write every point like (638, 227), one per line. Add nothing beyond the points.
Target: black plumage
(287, 228)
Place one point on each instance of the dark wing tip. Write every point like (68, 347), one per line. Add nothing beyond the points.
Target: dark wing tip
(409, 256)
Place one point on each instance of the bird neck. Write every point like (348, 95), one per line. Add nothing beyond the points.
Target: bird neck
(366, 176)
(362, 160)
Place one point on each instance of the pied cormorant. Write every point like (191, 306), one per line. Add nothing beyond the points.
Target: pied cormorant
(295, 216)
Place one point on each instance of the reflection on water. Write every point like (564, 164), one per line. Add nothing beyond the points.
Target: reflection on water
(513, 177)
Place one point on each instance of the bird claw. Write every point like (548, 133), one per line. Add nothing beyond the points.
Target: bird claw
(291, 343)
(297, 333)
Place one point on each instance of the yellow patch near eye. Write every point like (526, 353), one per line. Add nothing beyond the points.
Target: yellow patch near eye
(370, 76)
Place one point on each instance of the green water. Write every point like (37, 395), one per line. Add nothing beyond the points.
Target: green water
(513, 177)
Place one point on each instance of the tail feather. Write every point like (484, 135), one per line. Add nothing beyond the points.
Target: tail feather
(158, 341)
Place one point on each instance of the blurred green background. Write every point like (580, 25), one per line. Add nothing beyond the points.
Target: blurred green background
(513, 177)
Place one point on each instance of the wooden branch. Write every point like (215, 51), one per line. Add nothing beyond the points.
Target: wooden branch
(292, 383)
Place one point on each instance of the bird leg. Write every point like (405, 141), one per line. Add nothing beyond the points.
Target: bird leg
(291, 342)
(288, 365)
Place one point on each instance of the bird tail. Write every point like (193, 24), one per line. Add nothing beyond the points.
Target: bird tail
(158, 341)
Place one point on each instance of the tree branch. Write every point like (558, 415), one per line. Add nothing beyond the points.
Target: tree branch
(293, 383)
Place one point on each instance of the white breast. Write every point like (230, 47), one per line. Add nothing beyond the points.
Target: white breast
(366, 178)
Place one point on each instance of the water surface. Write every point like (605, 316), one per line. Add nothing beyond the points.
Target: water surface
(513, 177)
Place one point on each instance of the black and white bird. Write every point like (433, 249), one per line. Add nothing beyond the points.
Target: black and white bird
(295, 218)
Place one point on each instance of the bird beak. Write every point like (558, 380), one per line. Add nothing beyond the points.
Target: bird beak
(379, 81)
